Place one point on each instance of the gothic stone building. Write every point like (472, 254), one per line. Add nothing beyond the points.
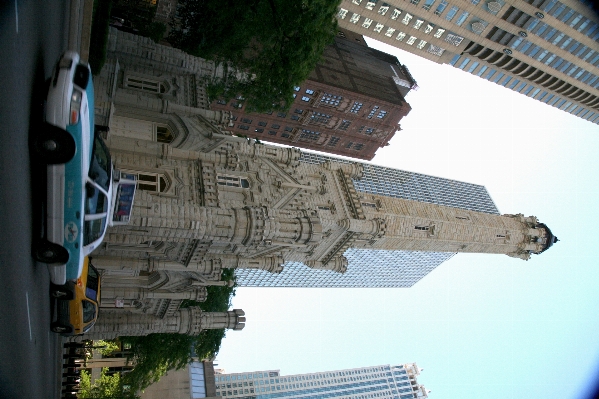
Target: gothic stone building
(208, 200)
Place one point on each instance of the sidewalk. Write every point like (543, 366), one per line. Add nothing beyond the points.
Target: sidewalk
(80, 26)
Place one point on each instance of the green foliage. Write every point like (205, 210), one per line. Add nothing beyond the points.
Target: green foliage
(277, 43)
(139, 18)
(99, 35)
(106, 348)
(105, 387)
(155, 354)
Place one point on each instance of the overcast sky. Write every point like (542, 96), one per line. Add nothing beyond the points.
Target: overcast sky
(481, 326)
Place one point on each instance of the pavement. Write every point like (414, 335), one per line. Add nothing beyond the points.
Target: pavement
(80, 27)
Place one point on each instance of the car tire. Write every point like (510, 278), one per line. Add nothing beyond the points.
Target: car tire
(59, 328)
(61, 292)
(48, 252)
(81, 77)
(54, 145)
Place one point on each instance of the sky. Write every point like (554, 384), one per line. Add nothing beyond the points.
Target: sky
(480, 325)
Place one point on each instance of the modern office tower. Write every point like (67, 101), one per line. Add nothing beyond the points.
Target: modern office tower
(545, 49)
(380, 382)
(350, 105)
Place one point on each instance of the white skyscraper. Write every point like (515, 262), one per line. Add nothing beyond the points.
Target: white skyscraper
(381, 382)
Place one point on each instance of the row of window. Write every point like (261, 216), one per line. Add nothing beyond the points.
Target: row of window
(400, 36)
(513, 83)
(568, 16)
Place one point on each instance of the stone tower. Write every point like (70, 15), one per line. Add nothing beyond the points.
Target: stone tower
(209, 201)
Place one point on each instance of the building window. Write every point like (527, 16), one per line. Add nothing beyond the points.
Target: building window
(462, 18)
(243, 127)
(441, 7)
(406, 19)
(164, 135)
(383, 10)
(309, 135)
(333, 141)
(275, 126)
(422, 228)
(148, 181)
(369, 205)
(306, 98)
(259, 130)
(330, 99)
(400, 36)
(261, 123)
(367, 130)
(453, 39)
(396, 14)
(344, 125)
(342, 13)
(149, 85)
(232, 181)
(429, 28)
(411, 40)
(421, 44)
(320, 118)
(438, 51)
(439, 33)
(428, 4)
(246, 120)
(418, 24)
(288, 129)
(354, 18)
(378, 27)
(389, 32)
(272, 132)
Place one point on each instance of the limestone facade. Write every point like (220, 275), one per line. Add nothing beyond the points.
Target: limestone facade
(209, 201)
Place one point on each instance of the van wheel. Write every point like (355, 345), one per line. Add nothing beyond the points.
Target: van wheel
(59, 328)
(48, 252)
(61, 292)
(54, 145)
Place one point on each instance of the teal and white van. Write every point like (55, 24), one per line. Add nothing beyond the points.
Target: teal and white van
(79, 173)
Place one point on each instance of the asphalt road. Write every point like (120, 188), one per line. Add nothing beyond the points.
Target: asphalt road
(33, 34)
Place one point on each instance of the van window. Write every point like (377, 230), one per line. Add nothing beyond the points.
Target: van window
(93, 229)
(99, 168)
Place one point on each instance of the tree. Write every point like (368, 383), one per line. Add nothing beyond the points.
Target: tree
(276, 43)
(105, 387)
(155, 354)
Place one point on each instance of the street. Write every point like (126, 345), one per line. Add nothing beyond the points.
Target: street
(32, 37)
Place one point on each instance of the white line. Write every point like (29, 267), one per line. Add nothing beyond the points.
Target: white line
(17, 16)
(28, 317)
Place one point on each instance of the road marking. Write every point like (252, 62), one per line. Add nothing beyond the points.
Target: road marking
(28, 316)
(17, 16)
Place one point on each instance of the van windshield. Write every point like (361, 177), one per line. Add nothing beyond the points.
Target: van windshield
(100, 166)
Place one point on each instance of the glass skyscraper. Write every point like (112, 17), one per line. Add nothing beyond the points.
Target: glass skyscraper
(381, 382)
(379, 268)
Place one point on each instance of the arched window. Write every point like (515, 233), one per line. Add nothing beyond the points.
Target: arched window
(145, 84)
(164, 134)
(148, 181)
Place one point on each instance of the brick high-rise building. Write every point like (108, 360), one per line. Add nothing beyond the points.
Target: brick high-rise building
(545, 49)
(351, 104)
